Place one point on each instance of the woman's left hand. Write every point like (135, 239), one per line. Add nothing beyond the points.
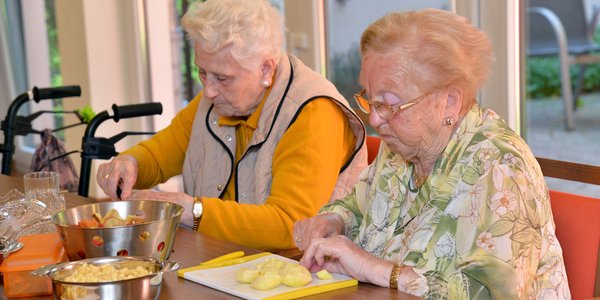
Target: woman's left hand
(182, 199)
(339, 254)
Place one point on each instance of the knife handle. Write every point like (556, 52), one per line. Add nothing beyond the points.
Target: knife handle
(225, 263)
(225, 257)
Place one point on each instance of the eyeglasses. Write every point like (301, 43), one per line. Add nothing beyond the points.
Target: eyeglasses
(384, 110)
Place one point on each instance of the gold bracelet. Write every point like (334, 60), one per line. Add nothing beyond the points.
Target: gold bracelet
(394, 276)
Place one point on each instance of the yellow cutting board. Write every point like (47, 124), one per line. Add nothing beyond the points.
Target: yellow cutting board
(223, 279)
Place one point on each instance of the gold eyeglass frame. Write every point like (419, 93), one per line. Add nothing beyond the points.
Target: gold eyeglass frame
(393, 110)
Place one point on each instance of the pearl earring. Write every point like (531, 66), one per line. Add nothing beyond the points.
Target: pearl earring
(449, 121)
(266, 83)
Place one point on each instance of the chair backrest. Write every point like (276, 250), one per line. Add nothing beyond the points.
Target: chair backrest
(569, 170)
(542, 38)
(373, 143)
(577, 220)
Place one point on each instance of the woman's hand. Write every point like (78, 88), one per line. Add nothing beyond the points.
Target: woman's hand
(321, 226)
(339, 254)
(120, 172)
(182, 199)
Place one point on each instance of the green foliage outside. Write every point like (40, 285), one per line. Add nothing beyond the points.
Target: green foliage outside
(55, 71)
(181, 6)
(86, 114)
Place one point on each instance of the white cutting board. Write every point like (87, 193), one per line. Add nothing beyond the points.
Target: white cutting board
(223, 279)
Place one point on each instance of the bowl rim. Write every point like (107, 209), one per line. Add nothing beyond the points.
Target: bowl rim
(178, 213)
(51, 270)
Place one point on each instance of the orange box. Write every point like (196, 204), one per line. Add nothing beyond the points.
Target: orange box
(38, 250)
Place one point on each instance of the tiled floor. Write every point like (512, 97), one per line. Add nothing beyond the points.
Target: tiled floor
(547, 137)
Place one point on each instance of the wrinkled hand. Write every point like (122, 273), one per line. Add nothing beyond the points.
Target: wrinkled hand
(339, 254)
(182, 199)
(321, 226)
(121, 172)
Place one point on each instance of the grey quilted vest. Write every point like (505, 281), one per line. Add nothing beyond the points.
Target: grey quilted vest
(210, 155)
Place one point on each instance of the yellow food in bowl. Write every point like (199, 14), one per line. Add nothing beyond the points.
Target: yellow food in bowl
(104, 273)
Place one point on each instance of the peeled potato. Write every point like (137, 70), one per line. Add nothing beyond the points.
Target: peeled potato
(324, 275)
(266, 281)
(269, 269)
(271, 272)
(112, 218)
(271, 263)
(246, 275)
(286, 269)
(132, 219)
(296, 276)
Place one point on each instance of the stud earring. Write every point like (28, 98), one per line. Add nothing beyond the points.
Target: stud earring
(266, 83)
(449, 121)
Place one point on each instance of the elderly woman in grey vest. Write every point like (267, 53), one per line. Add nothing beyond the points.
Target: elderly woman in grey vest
(455, 205)
(266, 143)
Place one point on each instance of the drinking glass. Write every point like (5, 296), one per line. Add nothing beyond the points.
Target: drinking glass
(45, 187)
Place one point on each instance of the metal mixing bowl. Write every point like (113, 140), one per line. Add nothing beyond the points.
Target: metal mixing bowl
(146, 287)
(153, 238)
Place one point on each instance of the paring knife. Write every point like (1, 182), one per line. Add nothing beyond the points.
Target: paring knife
(225, 257)
(225, 263)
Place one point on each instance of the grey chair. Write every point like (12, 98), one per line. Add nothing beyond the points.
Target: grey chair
(560, 27)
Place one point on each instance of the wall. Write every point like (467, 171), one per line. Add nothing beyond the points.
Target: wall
(99, 48)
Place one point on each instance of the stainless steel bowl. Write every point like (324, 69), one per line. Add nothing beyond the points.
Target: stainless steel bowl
(153, 238)
(146, 287)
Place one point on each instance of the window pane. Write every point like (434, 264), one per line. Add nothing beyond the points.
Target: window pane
(345, 22)
(55, 72)
(191, 84)
(545, 107)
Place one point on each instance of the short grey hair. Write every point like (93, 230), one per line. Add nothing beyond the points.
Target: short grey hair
(254, 29)
(435, 47)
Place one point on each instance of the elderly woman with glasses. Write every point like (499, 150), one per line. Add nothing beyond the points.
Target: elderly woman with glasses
(455, 205)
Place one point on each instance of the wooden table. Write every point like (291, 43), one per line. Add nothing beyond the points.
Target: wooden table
(191, 247)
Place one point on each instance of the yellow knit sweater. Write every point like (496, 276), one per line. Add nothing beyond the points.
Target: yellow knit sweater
(306, 164)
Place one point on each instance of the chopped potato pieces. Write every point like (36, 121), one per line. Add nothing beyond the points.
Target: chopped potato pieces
(104, 273)
(324, 275)
(111, 219)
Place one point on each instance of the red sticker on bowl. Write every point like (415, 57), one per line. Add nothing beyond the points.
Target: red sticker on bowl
(81, 254)
(122, 252)
(97, 241)
(161, 246)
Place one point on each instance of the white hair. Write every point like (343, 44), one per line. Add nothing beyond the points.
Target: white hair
(253, 28)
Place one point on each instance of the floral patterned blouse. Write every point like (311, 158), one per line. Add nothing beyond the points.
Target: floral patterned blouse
(480, 226)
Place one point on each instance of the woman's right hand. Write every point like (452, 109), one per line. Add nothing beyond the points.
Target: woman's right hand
(321, 226)
(120, 172)
(338, 254)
